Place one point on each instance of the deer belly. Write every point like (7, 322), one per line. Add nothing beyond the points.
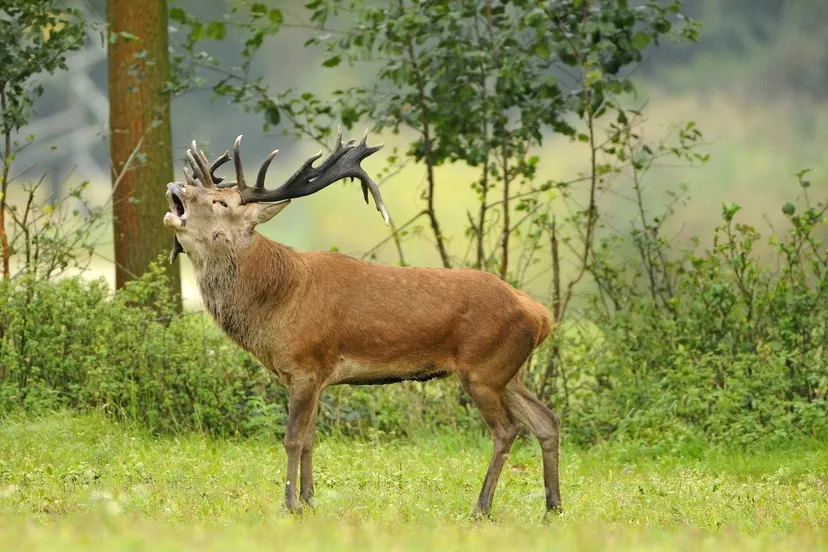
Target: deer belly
(357, 372)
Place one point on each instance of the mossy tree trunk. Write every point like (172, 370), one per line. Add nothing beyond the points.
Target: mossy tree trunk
(140, 136)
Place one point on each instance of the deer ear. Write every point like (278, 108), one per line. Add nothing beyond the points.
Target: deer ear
(263, 212)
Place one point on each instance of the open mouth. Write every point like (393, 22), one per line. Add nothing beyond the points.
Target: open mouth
(176, 218)
(176, 205)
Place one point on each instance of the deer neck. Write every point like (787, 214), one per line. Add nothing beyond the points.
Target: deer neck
(244, 288)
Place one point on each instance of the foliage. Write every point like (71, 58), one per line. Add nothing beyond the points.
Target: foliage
(74, 345)
(722, 344)
(50, 237)
(479, 83)
(35, 37)
(47, 235)
(732, 352)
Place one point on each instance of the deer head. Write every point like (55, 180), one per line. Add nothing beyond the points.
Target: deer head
(210, 216)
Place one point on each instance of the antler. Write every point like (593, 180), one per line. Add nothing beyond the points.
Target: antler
(343, 162)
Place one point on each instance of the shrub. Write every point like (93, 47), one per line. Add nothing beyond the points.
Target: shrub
(74, 344)
(716, 346)
(719, 345)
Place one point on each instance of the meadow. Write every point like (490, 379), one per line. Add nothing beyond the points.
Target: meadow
(693, 394)
(84, 482)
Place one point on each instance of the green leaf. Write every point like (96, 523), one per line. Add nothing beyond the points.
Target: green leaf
(332, 61)
(789, 209)
(349, 117)
(593, 76)
(641, 40)
(258, 10)
(275, 16)
(196, 33)
(178, 14)
(729, 211)
(273, 115)
(216, 30)
(541, 50)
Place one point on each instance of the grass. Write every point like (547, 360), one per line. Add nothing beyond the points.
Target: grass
(84, 483)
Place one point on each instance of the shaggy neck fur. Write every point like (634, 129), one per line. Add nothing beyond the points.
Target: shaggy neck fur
(242, 287)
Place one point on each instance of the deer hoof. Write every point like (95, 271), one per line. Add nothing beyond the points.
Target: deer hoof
(555, 511)
(294, 508)
(479, 514)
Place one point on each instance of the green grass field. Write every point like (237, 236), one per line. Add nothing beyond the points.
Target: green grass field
(84, 483)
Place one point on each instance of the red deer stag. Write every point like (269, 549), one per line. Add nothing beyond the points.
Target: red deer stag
(322, 318)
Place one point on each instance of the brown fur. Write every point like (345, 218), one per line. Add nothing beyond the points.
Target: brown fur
(320, 319)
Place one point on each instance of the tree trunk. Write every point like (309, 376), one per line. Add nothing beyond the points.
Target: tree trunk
(140, 136)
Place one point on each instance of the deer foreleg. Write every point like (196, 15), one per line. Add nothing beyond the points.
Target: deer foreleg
(304, 395)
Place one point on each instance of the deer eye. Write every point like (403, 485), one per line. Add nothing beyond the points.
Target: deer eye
(223, 204)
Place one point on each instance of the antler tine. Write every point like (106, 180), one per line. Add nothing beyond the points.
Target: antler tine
(240, 182)
(188, 174)
(368, 184)
(260, 178)
(200, 165)
(198, 176)
(343, 162)
(225, 157)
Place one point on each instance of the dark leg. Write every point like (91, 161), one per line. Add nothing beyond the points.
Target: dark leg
(306, 470)
(546, 426)
(303, 399)
(504, 430)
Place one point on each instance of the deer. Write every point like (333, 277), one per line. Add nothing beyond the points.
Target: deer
(322, 318)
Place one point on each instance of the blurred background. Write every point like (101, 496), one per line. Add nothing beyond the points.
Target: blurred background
(755, 85)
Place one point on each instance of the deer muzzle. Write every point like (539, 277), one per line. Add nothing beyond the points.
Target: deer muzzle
(176, 217)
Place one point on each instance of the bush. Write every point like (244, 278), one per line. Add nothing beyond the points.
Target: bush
(717, 346)
(720, 346)
(74, 344)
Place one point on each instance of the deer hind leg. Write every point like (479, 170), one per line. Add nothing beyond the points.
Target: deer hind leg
(306, 469)
(304, 395)
(489, 401)
(546, 426)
